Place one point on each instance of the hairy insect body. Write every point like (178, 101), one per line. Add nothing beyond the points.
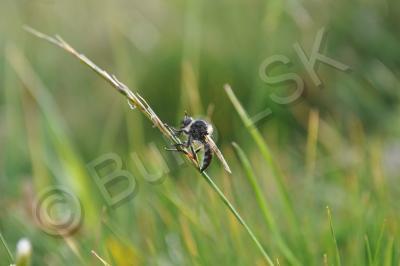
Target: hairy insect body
(207, 156)
(199, 131)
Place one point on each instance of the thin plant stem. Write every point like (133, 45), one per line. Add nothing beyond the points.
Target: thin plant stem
(277, 174)
(369, 252)
(328, 210)
(138, 102)
(105, 263)
(3, 241)
(237, 215)
(265, 152)
(379, 243)
(264, 206)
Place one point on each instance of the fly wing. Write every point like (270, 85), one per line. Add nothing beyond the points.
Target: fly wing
(217, 152)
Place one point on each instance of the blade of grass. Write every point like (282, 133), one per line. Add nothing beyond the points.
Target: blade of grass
(137, 101)
(264, 149)
(312, 138)
(71, 164)
(105, 263)
(276, 172)
(389, 253)
(379, 243)
(185, 211)
(35, 143)
(237, 215)
(265, 209)
(3, 241)
(187, 236)
(369, 253)
(134, 99)
(325, 259)
(190, 57)
(333, 236)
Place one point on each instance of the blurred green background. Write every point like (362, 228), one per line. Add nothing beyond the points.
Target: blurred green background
(335, 146)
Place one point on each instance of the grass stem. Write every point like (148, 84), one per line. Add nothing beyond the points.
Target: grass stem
(328, 210)
(264, 206)
(137, 101)
(238, 217)
(3, 241)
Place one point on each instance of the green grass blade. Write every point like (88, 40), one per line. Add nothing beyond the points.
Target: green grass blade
(265, 209)
(238, 217)
(264, 149)
(312, 140)
(72, 164)
(3, 241)
(379, 243)
(368, 247)
(337, 254)
(100, 258)
(276, 172)
(389, 253)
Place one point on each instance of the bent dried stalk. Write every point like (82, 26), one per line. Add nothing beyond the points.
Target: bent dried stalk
(134, 98)
(137, 101)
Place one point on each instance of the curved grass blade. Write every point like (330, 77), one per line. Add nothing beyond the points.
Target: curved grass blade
(140, 103)
(277, 174)
(265, 209)
(9, 254)
(238, 217)
(337, 254)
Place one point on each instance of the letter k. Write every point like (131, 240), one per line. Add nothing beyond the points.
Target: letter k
(315, 55)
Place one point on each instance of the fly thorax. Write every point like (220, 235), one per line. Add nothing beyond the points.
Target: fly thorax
(199, 130)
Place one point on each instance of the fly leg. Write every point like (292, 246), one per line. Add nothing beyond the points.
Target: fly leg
(175, 132)
(178, 149)
(178, 146)
(194, 154)
(188, 144)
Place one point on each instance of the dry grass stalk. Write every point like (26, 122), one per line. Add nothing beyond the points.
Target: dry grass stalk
(134, 98)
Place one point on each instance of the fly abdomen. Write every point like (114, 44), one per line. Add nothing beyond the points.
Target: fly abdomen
(207, 157)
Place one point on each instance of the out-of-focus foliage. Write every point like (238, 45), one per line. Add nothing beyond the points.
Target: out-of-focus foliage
(337, 145)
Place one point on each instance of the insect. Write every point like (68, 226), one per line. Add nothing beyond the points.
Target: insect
(198, 131)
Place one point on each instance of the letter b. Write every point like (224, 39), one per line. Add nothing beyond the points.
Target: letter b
(111, 179)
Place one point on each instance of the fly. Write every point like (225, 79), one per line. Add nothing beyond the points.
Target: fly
(198, 131)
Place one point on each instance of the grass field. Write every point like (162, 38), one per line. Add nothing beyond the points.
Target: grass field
(315, 159)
